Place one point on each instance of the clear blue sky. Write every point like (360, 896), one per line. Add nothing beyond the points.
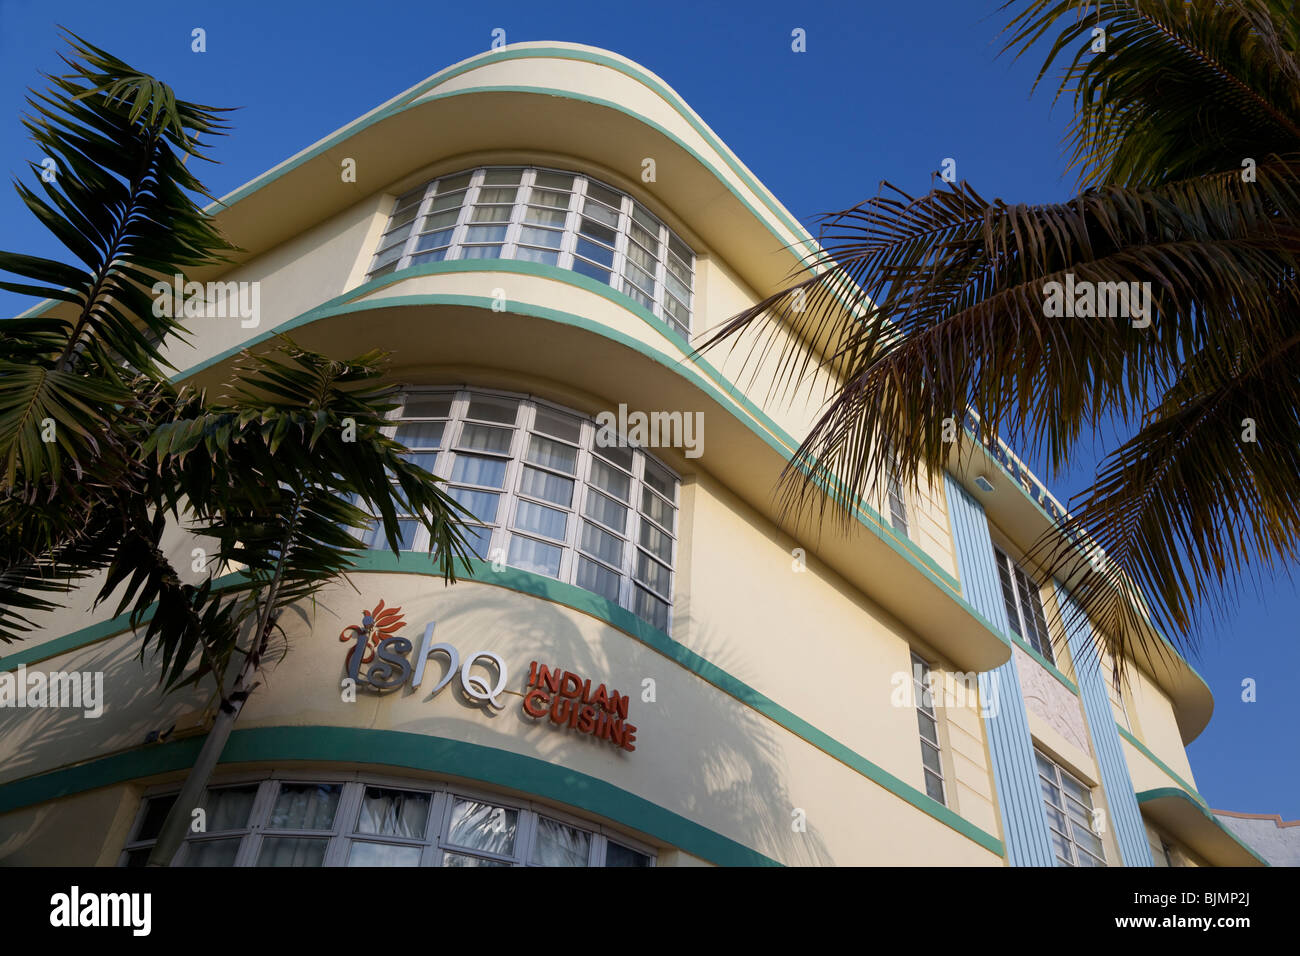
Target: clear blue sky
(884, 91)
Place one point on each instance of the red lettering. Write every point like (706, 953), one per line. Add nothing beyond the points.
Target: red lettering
(576, 690)
(587, 719)
(533, 697)
(629, 737)
(614, 731)
(532, 674)
(559, 714)
(549, 678)
(601, 699)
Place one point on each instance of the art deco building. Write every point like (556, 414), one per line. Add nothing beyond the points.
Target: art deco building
(649, 666)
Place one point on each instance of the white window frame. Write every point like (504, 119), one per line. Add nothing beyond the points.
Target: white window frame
(1030, 626)
(925, 705)
(1058, 782)
(343, 833)
(567, 251)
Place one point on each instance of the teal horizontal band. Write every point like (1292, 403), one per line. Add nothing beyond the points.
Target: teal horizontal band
(1148, 795)
(387, 748)
(593, 605)
(1146, 752)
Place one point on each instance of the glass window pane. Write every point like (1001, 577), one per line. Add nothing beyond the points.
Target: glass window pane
(533, 236)
(548, 522)
(411, 198)
(679, 270)
(487, 409)
(595, 252)
(542, 484)
(461, 859)
(499, 194)
(680, 249)
(420, 434)
(393, 812)
(553, 180)
(677, 288)
(483, 826)
(658, 510)
(649, 608)
(605, 510)
(641, 278)
(597, 578)
(619, 454)
(560, 845)
(485, 438)
(582, 267)
(502, 175)
(479, 540)
(305, 806)
(537, 556)
(438, 255)
(638, 255)
(656, 542)
(604, 194)
(155, 812)
(929, 729)
(473, 470)
(383, 854)
(544, 256)
(485, 234)
(292, 851)
(440, 220)
(489, 214)
(406, 531)
(228, 808)
(446, 201)
(481, 252)
(552, 454)
(556, 425)
(541, 216)
(652, 573)
(481, 504)
(449, 183)
(610, 479)
(618, 855)
(392, 254)
(934, 787)
(385, 270)
(541, 197)
(434, 240)
(212, 852)
(930, 757)
(602, 544)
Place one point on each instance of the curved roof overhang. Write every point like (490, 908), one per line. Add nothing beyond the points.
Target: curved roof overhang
(435, 337)
(1195, 826)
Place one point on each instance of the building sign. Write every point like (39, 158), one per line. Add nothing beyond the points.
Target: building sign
(567, 698)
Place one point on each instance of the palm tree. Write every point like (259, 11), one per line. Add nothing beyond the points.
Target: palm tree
(276, 476)
(1186, 137)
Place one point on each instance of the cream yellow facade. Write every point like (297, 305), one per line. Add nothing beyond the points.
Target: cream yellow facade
(769, 726)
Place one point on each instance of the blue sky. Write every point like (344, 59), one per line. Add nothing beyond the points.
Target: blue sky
(885, 91)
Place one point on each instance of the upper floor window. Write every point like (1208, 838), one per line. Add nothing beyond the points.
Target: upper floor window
(547, 497)
(1024, 605)
(541, 215)
(931, 765)
(1068, 804)
(897, 503)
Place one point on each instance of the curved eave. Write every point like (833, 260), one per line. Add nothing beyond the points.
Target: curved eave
(434, 337)
(1010, 506)
(1195, 826)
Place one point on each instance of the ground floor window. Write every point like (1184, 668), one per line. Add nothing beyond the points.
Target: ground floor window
(376, 821)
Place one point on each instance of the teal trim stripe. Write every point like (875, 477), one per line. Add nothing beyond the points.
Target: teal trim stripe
(1148, 795)
(387, 748)
(586, 602)
(1126, 818)
(1011, 748)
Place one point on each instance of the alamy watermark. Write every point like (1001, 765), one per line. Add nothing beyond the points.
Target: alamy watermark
(620, 429)
(950, 689)
(78, 690)
(1084, 299)
(212, 300)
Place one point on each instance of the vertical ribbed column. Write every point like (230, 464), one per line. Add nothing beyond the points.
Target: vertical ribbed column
(1011, 748)
(1125, 817)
